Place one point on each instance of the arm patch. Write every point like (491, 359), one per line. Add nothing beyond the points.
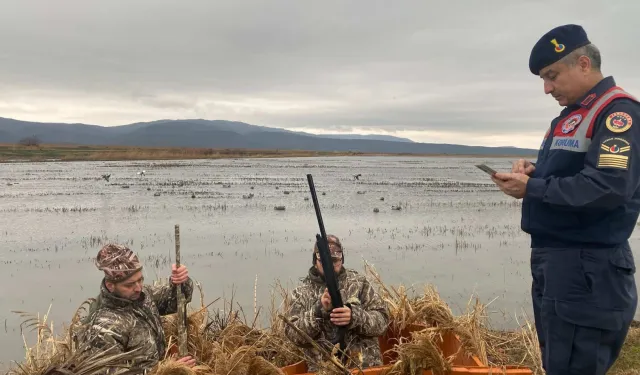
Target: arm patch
(614, 153)
(619, 122)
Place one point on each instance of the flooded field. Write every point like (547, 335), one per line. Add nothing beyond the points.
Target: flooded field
(453, 228)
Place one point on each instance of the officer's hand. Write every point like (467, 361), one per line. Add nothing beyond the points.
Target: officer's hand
(188, 360)
(523, 166)
(341, 316)
(180, 275)
(325, 300)
(513, 184)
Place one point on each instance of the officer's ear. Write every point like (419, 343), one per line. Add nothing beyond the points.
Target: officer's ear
(585, 64)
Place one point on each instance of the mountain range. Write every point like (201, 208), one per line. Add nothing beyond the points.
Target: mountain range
(228, 134)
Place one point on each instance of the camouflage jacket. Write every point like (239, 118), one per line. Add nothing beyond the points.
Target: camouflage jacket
(121, 325)
(369, 318)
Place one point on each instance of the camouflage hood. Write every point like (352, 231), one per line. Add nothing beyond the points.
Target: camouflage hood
(369, 317)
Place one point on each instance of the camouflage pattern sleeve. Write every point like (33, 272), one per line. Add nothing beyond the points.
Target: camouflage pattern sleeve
(306, 314)
(369, 316)
(105, 333)
(166, 299)
(109, 333)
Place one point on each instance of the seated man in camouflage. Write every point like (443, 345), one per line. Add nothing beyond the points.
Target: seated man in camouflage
(126, 314)
(365, 314)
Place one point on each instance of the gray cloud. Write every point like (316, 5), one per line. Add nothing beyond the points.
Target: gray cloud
(417, 67)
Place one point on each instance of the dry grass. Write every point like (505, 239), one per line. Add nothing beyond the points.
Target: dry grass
(112, 153)
(629, 361)
(221, 342)
(492, 347)
(53, 355)
(224, 341)
(420, 353)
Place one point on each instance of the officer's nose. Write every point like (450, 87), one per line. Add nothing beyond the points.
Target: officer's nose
(548, 87)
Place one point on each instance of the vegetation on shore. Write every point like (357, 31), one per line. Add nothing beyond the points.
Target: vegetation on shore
(227, 341)
(629, 361)
(49, 152)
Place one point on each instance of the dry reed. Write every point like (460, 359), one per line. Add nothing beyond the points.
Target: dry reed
(53, 355)
(494, 348)
(223, 341)
(421, 352)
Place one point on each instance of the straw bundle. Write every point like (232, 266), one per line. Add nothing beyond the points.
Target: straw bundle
(171, 367)
(420, 353)
(495, 348)
(222, 343)
(53, 355)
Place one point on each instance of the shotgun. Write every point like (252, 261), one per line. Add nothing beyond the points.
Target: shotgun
(327, 265)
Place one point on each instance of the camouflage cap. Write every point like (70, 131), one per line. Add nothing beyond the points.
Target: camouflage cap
(117, 261)
(335, 247)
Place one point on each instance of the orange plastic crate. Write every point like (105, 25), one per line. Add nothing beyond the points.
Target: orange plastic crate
(450, 343)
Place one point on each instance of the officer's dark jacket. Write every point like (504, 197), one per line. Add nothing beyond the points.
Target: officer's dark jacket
(584, 190)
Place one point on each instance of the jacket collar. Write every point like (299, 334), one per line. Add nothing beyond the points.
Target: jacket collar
(109, 299)
(316, 277)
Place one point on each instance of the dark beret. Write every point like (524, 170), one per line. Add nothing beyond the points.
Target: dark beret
(556, 44)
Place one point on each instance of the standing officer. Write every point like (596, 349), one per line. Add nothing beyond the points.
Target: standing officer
(580, 205)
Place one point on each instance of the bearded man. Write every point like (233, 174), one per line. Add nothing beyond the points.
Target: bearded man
(126, 314)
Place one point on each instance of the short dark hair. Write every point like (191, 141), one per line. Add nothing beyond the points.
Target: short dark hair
(591, 51)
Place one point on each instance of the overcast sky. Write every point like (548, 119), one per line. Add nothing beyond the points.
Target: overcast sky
(447, 71)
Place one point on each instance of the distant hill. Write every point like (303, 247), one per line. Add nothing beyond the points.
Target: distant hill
(372, 137)
(228, 134)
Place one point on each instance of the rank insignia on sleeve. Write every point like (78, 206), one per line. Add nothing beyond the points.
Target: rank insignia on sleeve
(614, 153)
(619, 122)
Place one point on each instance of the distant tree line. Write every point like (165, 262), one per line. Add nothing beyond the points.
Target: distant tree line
(30, 141)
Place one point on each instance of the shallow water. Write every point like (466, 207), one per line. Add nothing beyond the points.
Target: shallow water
(454, 229)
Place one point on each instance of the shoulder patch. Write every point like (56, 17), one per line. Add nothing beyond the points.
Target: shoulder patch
(614, 153)
(619, 122)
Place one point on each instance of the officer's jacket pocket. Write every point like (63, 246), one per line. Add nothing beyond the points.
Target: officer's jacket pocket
(622, 260)
(588, 315)
(611, 289)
